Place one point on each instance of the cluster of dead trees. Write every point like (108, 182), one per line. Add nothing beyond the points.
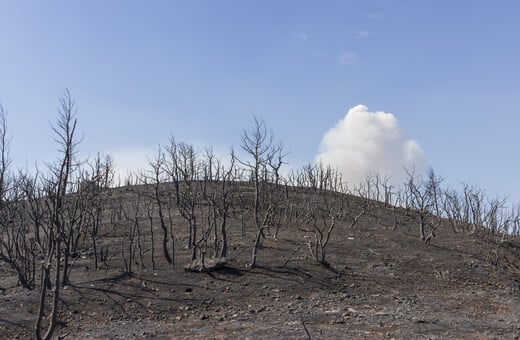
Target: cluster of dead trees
(49, 219)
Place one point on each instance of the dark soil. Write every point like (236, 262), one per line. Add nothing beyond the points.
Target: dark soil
(381, 283)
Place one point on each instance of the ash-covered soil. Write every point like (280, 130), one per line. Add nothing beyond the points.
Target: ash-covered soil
(381, 283)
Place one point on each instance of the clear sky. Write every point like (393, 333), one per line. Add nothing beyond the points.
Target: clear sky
(140, 70)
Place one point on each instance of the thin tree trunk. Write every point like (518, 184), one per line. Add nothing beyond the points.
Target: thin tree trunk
(56, 294)
(223, 231)
(255, 248)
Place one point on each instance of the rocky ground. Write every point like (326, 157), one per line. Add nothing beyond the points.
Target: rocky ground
(381, 283)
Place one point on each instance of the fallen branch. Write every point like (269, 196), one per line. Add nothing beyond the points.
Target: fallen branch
(373, 252)
(290, 257)
(305, 328)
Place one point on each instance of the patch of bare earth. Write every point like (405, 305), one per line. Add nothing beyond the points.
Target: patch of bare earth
(381, 283)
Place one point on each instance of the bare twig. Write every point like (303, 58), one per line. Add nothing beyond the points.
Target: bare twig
(305, 329)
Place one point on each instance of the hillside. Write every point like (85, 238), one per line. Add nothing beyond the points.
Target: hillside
(377, 283)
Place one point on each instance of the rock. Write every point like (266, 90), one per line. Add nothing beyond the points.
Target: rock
(209, 264)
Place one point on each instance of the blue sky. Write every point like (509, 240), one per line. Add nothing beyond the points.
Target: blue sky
(140, 70)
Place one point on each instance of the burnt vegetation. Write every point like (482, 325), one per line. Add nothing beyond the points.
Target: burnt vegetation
(72, 231)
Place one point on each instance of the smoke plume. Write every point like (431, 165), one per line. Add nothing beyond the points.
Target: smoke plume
(365, 142)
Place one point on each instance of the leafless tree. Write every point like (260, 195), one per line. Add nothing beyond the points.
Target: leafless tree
(182, 168)
(150, 212)
(259, 145)
(472, 212)
(5, 160)
(513, 227)
(456, 210)
(394, 206)
(17, 249)
(426, 199)
(220, 199)
(323, 208)
(391, 196)
(467, 211)
(131, 241)
(57, 185)
(172, 166)
(162, 202)
(75, 226)
(95, 189)
(276, 162)
(323, 211)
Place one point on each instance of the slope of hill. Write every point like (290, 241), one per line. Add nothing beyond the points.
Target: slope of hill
(380, 282)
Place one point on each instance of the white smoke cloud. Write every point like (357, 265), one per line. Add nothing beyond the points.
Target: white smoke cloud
(365, 142)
